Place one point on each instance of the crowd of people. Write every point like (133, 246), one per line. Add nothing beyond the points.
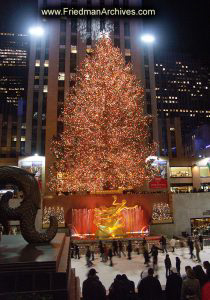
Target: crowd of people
(194, 285)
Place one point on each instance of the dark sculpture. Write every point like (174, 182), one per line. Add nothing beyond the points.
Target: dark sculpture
(27, 211)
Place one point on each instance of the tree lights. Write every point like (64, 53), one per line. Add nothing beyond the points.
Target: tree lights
(104, 144)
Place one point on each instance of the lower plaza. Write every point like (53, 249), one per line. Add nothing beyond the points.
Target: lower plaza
(134, 267)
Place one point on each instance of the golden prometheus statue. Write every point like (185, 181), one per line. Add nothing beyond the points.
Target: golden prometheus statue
(109, 220)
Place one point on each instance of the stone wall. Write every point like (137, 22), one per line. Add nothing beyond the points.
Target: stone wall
(185, 207)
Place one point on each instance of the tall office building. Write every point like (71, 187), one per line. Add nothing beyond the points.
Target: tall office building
(13, 90)
(182, 91)
(54, 58)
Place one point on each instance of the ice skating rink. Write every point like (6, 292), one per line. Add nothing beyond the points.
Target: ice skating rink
(133, 268)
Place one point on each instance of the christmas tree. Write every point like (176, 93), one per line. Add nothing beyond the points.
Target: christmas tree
(104, 144)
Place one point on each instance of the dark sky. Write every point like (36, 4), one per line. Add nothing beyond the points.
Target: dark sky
(180, 25)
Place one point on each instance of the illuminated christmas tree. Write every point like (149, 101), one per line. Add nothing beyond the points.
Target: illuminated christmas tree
(104, 144)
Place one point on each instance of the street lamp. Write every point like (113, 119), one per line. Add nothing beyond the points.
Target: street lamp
(148, 38)
(36, 31)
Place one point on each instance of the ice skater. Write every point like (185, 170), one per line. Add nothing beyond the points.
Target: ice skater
(110, 256)
(146, 256)
(88, 256)
(191, 248)
(178, 264)
(163, 242)
(129, 249)
(167, 265)
(121, 248)
(197, 249)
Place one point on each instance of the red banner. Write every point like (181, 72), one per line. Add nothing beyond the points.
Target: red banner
(158, 183)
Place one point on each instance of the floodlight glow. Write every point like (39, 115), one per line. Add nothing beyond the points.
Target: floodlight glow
(148, 38)
(36, 31)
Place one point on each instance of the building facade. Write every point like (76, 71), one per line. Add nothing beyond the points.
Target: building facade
(182, 91)
(13, 90)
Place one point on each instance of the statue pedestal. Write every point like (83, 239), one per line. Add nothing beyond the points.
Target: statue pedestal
(33, 267)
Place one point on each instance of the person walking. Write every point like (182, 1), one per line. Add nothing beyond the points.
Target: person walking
(163, 243)
(121, 248)
(110, 256)
(149, 288)
(197, 249)
(178, 264)
(167, 265)
(154, 253)
(129, 249)
(92, 249)
(88, 256)
(72, 249)
(173, 286)
(115, 248)
(190, 287)
(77, 253)
(100, 247)
(191, 248)
(92, 287)
(146, 256)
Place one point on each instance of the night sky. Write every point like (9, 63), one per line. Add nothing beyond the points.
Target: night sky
(180, 25)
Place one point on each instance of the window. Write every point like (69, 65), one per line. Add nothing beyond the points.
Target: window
(73, 62)
(127, 59)
(63, 26)
(204, 172)
(125, 3)
(127, 52)
(116, 3)
(37, 63)
(74, 25)
(46, 63)
(117, 43)
(127, 29)
(61, 95)
(88, 25)
(73, 40)
(127, 44)
(116, 27)
(61, 76)
(89, 40)
(180, 172)
(62, 39)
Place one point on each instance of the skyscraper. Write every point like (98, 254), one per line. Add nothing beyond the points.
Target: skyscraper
(182, 91)
(13, 90)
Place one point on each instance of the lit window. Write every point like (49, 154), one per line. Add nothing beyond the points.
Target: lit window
(37, 63)
(172, 129)
(127, 52)
(23, 138)
(180, 172)
(46, 63)
(45, 89)
(73, 49)
(61, 76)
